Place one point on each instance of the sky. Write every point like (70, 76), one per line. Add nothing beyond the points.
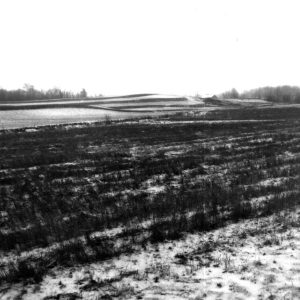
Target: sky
(180, 47)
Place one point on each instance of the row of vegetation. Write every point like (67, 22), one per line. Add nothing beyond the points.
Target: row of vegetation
(249, 113)
(279, 94)
(30, 93)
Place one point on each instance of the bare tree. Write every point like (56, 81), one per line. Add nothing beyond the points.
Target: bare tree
(83, 93)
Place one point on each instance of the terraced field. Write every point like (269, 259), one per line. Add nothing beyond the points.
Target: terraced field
(17, 114)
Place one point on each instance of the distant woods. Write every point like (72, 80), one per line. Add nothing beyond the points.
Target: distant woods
(30, 93)
(280, 94)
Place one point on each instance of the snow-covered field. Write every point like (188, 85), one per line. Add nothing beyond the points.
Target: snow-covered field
(145, 209)
(40, 113)
(56, 111)
(52, 116)
(252, 259)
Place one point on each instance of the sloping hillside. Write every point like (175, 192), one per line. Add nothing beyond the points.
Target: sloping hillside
(18, 114)
(147, 102)
(151, 103)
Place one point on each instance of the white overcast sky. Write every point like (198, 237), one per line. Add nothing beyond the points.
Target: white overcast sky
(165, 46)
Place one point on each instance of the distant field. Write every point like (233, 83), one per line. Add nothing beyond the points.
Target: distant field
(63, 111)
(50, 116)
(17, 114)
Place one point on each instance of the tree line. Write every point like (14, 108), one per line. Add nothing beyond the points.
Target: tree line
(30, 93)
(279, 94)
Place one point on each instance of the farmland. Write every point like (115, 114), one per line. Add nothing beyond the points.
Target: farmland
(30, 113)
(76, 198)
